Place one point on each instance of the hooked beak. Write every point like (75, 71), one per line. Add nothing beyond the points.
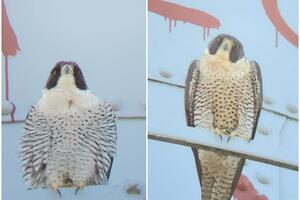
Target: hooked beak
(67, 69)
(225, 47)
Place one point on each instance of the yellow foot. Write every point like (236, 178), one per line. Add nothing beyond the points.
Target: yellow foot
(246, 137)
(55, 187)
(79, 186)
(67, 183)
(233, 133)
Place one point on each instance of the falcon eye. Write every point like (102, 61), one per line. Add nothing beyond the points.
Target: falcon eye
(235, 46)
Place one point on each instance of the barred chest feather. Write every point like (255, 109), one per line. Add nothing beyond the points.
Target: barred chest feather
(221, 91)
(68, 137)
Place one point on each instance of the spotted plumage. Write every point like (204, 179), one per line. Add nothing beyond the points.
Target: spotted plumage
(224, 94)
(69, 137)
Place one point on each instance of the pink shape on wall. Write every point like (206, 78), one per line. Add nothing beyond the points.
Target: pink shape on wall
(9, 48)
(272, 11)
(177, 12)
(9, 40)
(246, 191)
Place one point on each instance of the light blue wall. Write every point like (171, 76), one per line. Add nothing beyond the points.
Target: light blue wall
(172, 173)
(247, 21)
(107, 39)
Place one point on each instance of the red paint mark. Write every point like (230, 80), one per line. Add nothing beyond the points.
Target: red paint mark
(272, 11)
(6, 78)
(9, 40)
(12, 114)
(10, 47)
(177, 12)
(246, 191)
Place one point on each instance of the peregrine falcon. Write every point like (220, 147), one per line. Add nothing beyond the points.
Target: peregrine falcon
(223, 93)
(69, 137)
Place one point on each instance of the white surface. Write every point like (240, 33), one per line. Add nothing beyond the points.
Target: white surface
(7, 107)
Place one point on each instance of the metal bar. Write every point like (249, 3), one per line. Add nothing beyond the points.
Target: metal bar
(189, 143)
(264, 108)
(119, 117)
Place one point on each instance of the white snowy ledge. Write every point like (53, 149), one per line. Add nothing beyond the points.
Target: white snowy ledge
(203, 139)
(7, 107)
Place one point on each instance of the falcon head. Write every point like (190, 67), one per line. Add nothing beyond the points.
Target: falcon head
(228, 46)
(66, 75)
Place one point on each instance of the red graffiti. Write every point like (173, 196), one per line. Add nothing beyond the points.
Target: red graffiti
(10, 47)
(9, 40)
(246, 191)
(272, 11)
(177, 12)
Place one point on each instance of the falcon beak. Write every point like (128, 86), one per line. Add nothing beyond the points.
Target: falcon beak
(226, 45)
(67, 69)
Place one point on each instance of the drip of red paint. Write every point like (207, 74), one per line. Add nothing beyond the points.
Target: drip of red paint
(10, 47)
(272, 11)
(177, 12)
(9, 40)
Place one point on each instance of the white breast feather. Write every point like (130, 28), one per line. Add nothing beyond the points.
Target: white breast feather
(66, 97)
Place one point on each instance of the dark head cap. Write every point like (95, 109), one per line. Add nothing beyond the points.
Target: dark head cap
(228, 44)
(64, 67)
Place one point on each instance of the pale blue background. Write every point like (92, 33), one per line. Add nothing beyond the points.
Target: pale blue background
(107, 39)
(172, 172)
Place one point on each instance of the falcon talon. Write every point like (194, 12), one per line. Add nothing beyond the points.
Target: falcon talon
(229, 137)
(59, 193)
(220, 137)
(77, 189)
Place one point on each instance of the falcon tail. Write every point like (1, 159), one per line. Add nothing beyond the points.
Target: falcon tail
(218, 173)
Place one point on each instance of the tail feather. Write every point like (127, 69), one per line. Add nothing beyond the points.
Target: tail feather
(218, 173)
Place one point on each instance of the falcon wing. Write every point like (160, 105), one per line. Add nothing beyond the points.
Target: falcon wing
(35, 145)
(102, 136)
(250, 103)
(189, 98)
(258, 93)
(189, 93)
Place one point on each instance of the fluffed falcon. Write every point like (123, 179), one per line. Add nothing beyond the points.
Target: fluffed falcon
(223, 93)
(69, 137)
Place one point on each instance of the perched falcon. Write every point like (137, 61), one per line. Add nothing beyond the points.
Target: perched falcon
(223, 93)
(69, 137)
